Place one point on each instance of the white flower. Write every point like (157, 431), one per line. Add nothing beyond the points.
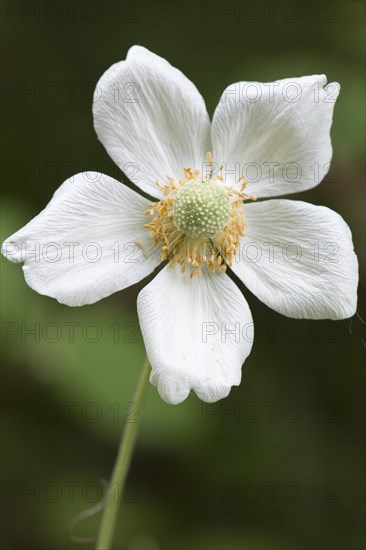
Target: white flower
(91, 239)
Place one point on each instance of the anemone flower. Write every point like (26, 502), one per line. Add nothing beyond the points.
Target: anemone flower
(97, 236)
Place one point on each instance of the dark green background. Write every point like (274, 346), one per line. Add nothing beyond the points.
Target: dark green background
(312, 372)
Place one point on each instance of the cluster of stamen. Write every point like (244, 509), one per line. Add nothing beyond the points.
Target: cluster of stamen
(199, 222)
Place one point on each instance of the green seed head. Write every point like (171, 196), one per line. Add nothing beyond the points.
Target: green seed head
(201, 209)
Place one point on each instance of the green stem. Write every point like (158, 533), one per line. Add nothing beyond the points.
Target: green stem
(120, 471)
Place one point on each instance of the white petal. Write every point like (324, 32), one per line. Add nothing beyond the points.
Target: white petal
(88, 242)
(298, 259)
(151, 119)
(276, 135)
(185, 324)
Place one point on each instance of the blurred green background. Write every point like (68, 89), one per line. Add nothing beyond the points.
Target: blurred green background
(279, 464)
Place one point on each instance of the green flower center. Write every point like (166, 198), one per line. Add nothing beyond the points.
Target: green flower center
(201, 209)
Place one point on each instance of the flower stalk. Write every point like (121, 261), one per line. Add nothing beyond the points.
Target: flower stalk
(121, 467)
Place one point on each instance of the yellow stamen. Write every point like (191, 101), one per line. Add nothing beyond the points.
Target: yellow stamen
(215, 251)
